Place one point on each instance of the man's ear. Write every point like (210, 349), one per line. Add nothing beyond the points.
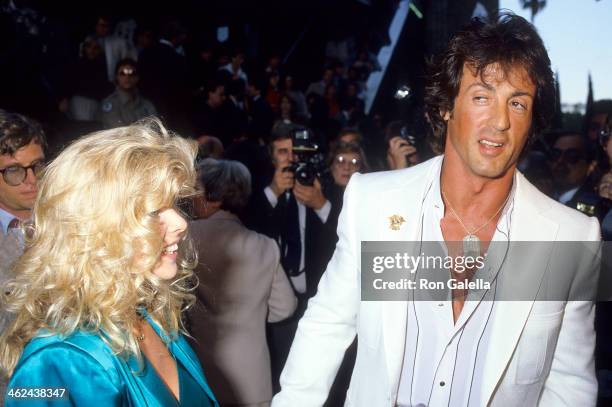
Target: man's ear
(445, 115)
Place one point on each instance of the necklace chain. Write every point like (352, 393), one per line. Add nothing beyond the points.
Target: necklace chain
(461, 222)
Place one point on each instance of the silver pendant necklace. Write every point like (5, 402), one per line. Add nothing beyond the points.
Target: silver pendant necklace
(471, 242)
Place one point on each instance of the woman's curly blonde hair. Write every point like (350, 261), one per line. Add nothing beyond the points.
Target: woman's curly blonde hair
(95, 241)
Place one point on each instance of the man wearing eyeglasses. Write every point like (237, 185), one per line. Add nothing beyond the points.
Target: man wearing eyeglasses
(296, 215)
(22, 161)
(125, 105)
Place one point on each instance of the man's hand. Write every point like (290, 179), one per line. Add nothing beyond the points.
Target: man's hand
(398, 150)
(310, 196)
(282, 181)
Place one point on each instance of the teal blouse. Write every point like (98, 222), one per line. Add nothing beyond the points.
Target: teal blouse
(81, 370)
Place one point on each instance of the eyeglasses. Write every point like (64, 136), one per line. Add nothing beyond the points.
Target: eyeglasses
(353, 162)
(127, 71)
(569, 156)
(15, 174)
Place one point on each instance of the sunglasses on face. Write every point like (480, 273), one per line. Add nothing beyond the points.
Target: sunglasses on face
(353, 162)
(569, 156)
(127, 72)
(15, 174)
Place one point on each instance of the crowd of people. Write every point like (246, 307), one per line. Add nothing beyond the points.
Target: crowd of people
(94, 249)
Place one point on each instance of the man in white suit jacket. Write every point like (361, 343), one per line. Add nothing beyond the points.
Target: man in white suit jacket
(487, 95)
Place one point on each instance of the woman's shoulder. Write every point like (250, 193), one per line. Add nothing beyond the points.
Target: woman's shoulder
(78, 365)
(86, 348)
(79, 339)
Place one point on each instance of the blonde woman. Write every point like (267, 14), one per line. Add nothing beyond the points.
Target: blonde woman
(99, 291)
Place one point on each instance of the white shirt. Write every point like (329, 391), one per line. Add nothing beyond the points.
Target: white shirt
(443, 360)
(299, 281)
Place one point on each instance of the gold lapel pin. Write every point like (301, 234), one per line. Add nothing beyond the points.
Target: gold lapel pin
(396, 222)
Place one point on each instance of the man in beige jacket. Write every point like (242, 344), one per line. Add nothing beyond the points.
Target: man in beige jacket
(242, 285)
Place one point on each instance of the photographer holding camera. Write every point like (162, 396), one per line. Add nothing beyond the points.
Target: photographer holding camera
(293, 210)
(401, 146)
(284, 179)
(296, 207)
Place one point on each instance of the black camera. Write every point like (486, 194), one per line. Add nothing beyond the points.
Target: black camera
(309, 160)
(411, 133)
(411, 137)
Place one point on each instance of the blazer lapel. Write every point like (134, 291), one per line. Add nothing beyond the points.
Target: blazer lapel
(181, 351)
(527, 224)
(405, 201)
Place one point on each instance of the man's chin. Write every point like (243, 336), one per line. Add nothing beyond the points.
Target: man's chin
(27, 205)
(491, 170)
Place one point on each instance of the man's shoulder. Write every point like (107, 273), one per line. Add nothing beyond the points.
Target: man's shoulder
(228, 238)
(231, 228)
(412, 177)
(573, 223)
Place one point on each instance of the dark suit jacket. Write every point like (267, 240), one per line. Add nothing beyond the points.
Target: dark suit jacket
(588, 201)
(269, 220)
(325, 244)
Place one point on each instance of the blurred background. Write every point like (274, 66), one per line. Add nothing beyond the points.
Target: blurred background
(377, 45)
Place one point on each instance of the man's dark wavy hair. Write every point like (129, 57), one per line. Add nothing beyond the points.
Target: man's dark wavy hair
(510, 41)
(17, 131)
